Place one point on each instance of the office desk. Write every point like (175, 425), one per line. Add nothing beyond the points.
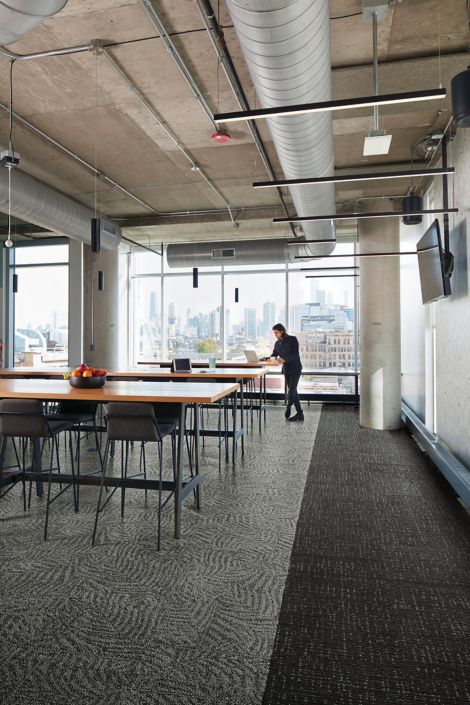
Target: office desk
(183, 393)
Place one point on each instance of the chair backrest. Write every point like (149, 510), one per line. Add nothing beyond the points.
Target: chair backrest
(127, 421)
(23, 418)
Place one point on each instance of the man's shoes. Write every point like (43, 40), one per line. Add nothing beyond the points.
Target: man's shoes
(298, 417)
(287, 412)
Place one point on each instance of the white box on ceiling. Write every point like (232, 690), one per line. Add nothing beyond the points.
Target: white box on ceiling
(376, 144)
(380, 7)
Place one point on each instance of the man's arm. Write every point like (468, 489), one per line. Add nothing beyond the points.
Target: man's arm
(291, 349)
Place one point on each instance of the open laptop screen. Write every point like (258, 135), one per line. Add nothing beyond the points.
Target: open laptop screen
(181, 364)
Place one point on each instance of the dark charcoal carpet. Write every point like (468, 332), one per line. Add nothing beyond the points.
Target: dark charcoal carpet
(376, 605)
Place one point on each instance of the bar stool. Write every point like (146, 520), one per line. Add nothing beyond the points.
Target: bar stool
(135, 422)
(25, 419)
(82, 414)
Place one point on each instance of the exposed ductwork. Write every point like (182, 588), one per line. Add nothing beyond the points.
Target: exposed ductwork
(37, 203)
(286, 45)
(18, 17)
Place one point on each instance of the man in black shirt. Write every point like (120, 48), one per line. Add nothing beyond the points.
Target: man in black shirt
(286, 350)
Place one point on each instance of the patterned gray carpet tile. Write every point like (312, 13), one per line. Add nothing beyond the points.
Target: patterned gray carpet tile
(123, 624)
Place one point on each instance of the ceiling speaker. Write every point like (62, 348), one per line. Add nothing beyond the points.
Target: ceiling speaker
(460, 86)
(412, 203)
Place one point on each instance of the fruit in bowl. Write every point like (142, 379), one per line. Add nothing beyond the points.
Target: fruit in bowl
(85, 377)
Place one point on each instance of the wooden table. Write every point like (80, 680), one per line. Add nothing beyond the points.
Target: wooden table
(183, 393)
(240, 375)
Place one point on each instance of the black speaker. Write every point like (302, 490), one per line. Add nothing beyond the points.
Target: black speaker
(460, 87)
(412, 203)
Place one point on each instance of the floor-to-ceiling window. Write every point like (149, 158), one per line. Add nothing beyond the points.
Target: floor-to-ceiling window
(322, 316)
(172, 318)
(39, 277)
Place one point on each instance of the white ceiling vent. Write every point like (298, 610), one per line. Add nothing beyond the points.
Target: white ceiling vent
(223, 253)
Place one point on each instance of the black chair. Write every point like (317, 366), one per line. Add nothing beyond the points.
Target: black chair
(25, 419)
(82, 414)
(135, 422)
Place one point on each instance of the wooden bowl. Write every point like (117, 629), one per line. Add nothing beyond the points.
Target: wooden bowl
(87, 382)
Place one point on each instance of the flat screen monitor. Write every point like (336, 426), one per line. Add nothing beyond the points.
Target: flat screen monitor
(435, 282)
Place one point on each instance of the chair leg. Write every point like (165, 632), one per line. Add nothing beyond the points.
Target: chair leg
(49, 490)
(144, 466)
(124, 462)
(103, 480)
(160, 483)
(22, 467)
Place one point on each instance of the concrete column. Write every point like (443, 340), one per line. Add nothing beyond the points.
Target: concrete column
(101, 309)
(380, 320)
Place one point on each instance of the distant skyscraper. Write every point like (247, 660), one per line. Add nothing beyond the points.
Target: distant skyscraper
(153, 306)
(171, 315)
(296, 314)
(250, 323)
(346, 298)
(317, 295)
(269, 315)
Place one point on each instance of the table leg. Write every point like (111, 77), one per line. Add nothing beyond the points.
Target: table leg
(197, 454)
(242, 409)
(37, 465)
(179, 472)
(234, 426)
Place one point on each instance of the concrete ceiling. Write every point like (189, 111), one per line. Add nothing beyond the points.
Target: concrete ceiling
(80, 101)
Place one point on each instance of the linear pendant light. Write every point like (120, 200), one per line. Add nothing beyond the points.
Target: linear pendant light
(329, 276)
(353, 216)
(331, 105)
(346, 178)
(359, 254)
(326, 269)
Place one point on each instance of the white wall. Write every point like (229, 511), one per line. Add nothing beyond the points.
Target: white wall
(449, 317)
(412, 323)
(453, 316)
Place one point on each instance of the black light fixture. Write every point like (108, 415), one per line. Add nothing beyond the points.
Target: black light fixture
(195, 277)
(354, 216)
(360, 254)
(460, 87)
(331, 105)
(326, 269)
(15, 283)
(236, 294)
(95, 234)
(100, 280)
(347, 178)
(329, 276)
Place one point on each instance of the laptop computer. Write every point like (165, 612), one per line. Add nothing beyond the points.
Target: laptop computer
(251, 356)
(181, 364)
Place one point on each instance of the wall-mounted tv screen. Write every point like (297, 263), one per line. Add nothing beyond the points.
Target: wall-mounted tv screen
(435, 283)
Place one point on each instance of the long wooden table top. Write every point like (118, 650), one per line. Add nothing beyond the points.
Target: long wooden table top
(218, 373)
(60, 390)
(219, 363)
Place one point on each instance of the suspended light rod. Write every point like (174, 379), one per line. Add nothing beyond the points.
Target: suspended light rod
(354, 216)
(363, 254)
(347, 178)
(332, 105)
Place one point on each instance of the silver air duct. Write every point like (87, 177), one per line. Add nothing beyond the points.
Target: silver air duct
(18, 17)
(37, 203)
(286, 45)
